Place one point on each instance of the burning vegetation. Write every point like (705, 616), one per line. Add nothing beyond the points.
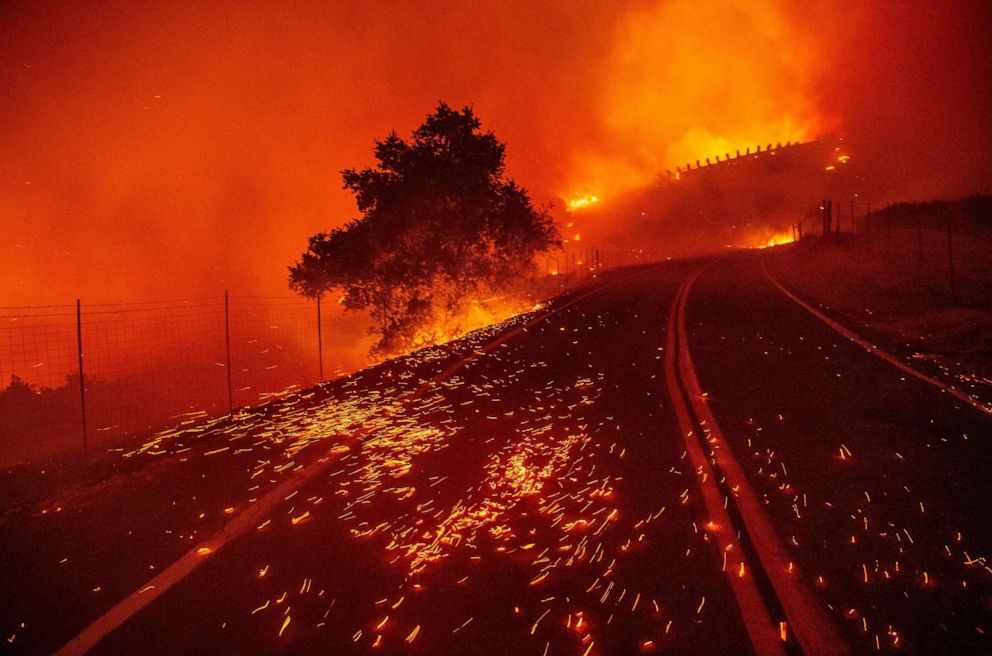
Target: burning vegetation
(750, 197)
(441, 227)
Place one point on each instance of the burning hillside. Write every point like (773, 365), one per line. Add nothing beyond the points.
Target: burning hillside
(747, 198)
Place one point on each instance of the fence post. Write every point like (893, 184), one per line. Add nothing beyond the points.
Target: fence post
(888, 238)
(320, 341)
(919, 247)
(950, 254)
(840, 213)
(82, 380)
(227, 340)
(868, 228)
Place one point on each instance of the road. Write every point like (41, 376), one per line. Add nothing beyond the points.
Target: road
(536, 489)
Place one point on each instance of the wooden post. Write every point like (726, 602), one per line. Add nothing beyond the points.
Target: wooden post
(82, 379)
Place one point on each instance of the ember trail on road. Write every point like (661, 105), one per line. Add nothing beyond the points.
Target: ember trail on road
(593, 478)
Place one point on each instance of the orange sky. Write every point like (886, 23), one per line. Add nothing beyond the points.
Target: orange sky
(176, 149)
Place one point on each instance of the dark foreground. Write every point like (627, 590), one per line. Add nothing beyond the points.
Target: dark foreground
(533, 496)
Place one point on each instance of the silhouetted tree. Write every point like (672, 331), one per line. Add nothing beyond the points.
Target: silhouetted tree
(440, 223)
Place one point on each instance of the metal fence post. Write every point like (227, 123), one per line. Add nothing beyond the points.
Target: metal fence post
(227, 339)
(868, 228)
(320, 342)
(888, 237)
(82, 380)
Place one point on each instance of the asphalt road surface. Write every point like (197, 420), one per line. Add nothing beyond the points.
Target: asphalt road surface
(574, 481)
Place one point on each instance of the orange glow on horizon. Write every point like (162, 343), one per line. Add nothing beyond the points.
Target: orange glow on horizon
(204, 164)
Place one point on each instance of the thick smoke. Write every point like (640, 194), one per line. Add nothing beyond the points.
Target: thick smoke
(177, 149)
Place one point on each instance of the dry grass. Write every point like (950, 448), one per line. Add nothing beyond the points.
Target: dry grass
(880, 285)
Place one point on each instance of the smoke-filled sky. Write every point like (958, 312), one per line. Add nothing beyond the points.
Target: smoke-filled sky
(162, 150)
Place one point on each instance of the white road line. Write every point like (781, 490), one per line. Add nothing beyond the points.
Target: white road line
(871, 348)
(761, 628)
(813, 628)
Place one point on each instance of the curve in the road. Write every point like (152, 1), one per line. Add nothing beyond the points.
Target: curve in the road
(874, 350)
(804, 615)
(244, 522)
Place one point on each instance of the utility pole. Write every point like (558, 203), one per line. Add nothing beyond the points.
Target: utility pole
(82, 379)
(919, 246)
(950, 254)
(227, 340)
(320, 342)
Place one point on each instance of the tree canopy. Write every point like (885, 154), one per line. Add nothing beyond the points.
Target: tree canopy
(440, 224)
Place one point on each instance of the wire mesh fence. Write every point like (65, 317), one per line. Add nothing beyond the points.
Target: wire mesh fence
(150, 364)
(939, 246)
(147, 365)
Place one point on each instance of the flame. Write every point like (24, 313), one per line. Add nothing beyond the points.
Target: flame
(777, 239)
(581, 201)
(477, 314)
(691, 80)
(781, 238)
